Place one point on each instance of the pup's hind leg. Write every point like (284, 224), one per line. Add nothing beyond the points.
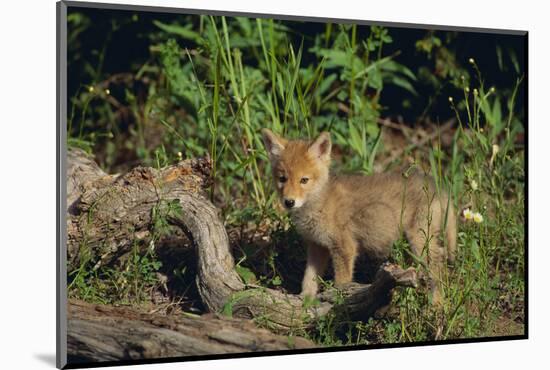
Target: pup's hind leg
(426, 245)
(431, 253)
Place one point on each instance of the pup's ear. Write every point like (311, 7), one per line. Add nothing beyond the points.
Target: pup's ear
(320, 148)
(273, 144)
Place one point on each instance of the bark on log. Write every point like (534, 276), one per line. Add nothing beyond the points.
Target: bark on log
(104, 333)
(107, 213)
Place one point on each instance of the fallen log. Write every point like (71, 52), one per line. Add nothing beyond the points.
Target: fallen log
(99, 333)
(107, 213)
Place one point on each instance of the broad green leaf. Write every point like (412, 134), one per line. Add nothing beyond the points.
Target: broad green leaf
(403, 83)
(182, 31)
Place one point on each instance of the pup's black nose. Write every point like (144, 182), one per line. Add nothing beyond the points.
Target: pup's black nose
(289, 203)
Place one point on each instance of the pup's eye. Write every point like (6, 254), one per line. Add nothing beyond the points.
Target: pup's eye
(304, 180)
(282, 179)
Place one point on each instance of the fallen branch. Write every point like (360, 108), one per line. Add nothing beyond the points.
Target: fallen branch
(419, 143)
(104, 333)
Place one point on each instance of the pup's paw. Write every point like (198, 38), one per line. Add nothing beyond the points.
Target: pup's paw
(309, 291)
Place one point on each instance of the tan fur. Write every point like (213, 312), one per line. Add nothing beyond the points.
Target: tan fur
(339, 216)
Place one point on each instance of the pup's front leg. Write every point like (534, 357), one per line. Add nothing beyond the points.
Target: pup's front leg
(343, 260)
(317, 260)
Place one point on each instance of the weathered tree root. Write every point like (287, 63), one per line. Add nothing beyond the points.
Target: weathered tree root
(106, 213)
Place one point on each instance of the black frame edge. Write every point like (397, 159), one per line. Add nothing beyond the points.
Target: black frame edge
(288, 352)
(61, 189)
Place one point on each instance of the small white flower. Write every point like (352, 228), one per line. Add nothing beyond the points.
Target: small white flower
(492, 89)
(467, 89)
(450, 99)
(91, 89)
(478, 218)
(474, 185)
(471, 61)
(180, 156)
(476, 92)
(468, 214)
(107, 91)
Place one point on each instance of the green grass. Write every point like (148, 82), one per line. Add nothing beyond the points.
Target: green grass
(132, 282)
(242, 75)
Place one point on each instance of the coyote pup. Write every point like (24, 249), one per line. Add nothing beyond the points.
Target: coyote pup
(338, 216)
